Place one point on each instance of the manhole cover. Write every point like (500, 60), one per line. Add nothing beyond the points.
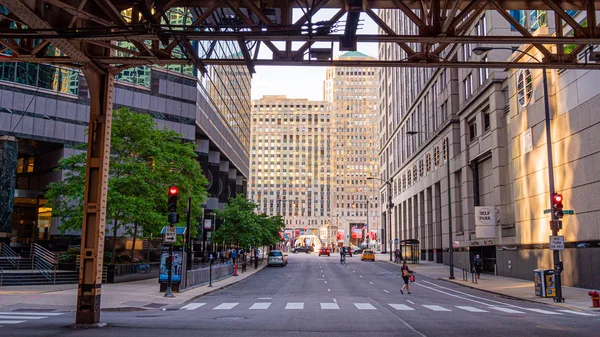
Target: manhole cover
(230, 318)
(554, 327)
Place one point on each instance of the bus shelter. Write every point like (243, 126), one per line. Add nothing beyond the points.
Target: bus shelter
(410, 250)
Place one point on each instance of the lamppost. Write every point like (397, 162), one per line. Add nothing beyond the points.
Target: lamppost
(558, 266)
(450, 243)
(389, 209)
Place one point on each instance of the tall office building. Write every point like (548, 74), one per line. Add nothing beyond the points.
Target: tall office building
(291, 160)
(485, 128)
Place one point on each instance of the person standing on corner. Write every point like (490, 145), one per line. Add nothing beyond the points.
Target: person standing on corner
(405, 276)
(478, 265)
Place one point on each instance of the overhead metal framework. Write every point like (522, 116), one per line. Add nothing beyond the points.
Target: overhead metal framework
(102, 37)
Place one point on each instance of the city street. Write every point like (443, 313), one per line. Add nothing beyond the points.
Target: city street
(317, 296)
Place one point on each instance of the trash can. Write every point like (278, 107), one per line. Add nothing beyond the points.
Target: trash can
(543, 280)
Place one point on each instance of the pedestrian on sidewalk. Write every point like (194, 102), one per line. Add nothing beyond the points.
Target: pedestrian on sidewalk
(233, 255)
(478, 265)
(405, 276)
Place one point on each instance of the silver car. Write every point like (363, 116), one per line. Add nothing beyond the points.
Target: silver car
(277, 258)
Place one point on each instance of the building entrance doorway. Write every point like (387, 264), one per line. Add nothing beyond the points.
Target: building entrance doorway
(487, 255)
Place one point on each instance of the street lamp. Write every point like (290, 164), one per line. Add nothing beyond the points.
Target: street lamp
(450, 243)
(389, 208)
(558, 266)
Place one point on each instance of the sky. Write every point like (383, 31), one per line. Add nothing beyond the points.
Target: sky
(301, 81)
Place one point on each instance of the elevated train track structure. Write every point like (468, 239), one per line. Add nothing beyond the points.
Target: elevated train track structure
(103, 37)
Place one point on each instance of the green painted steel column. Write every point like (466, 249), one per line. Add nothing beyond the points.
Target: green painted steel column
(8, 171)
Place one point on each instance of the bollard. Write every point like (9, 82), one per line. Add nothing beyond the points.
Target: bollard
(235, 268)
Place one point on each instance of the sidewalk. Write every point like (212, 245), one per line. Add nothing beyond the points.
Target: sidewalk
(138, 295)
(575, 298)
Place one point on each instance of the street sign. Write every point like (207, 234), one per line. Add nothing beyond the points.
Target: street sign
(568, 211)
(170, 234)
(396, 240)
(546, 211)
(207, 224)
(557, 242)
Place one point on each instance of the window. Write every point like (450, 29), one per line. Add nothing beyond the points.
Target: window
(472, 124)
(524, 87)
(486, 120)
(468, 86)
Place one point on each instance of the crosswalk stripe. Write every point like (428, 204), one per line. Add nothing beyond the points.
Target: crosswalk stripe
(436, 308)
(364, 306)
(544, 311)
(400, 306)
(507, 310)
(471, 309)
(11, 322)
(327, 306)
(21, 317)
(192, 306)
(295, 305)
(225, 306)
(260, 306)
(576, 312)
(31, 313)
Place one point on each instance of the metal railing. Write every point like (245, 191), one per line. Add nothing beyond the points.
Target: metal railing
(44, 261)
(198, 277)
(10, 255)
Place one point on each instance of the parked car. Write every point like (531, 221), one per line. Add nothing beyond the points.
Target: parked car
(303, 249)
(348, 250)
(324, 251)
(367, 254)
(277, 258)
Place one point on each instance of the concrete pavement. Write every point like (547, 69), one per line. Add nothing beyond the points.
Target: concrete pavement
(138, 295)
(575, 298)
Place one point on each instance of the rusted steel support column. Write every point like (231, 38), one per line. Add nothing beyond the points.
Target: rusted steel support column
(101, 89)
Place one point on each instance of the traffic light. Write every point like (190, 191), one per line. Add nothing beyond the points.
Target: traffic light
(173, 194)
(557, 205)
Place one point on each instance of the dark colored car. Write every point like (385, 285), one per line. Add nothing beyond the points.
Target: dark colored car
(348, 250)
(324, 251)
(303, 249)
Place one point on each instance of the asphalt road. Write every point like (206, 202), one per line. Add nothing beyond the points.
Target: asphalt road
(317, 296)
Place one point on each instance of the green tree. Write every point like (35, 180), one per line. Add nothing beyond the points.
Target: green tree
(145, 161)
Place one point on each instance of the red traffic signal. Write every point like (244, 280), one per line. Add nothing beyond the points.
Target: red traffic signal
(173, 190)
(173, 194)
(557, 205)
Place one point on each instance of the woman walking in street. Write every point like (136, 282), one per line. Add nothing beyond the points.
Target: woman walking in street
(405, 276)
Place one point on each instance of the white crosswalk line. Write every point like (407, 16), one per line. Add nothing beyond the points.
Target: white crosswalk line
(329, 306)
(541, 311)
(507, 310)
(364, 306)
(436, 308)
(225, 306)
(21, 317)
(260, 306)
(471, 309)
(192, 306)
(11, 322)
(403, 307)
(31, 313)
(576, 312)
(294, 306)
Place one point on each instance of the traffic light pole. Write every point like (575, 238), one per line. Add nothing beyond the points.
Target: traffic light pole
(558, 265)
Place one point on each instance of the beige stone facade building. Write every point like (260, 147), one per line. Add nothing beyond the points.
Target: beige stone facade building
(493, 124)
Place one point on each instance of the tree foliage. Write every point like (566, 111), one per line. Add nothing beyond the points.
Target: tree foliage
(145, 161)
(241, 226)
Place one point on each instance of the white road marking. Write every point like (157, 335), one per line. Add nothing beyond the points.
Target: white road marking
(11, 322)
(507, 310)
(354, 271)
(544, 311)
(260, 306)
(225, 306)
(360, 276)
(576, 312)
(471, 309)
(21, 317)
(386, 291)
(436, 308)
(31, 313)
(330, 306)
(192, 306)
(325, 282)
(400, 306)
(364, 306)
(323, 276)
(294, 306)
(328, 289)
(265, 298)
(409, 301)
(335, 300)
(370, 282)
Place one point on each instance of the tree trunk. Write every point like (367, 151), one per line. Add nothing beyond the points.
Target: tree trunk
(134, 237)
(112, 259)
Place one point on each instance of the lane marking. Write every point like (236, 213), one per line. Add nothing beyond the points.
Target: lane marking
(386, 291)
(22, 317)
(294, 306)
(264, 298)
(470, 309)
(401, 307)
(409, 301)
(330, 306)
(360, 276)
(260, 306)
(11, 322)
(328, 289)
(436, 308)
(507, 310)
(544, 311)
(192, 306)
(325, 282)
(32, 313)
(335, 300)
(370, 282)
(323, 276)
(364, 306)
(225, 306)
(576, 312)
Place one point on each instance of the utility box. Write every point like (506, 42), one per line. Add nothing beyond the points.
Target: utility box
(543, 280)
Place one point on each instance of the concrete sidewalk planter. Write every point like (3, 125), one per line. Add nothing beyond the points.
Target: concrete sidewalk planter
(595, 298)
